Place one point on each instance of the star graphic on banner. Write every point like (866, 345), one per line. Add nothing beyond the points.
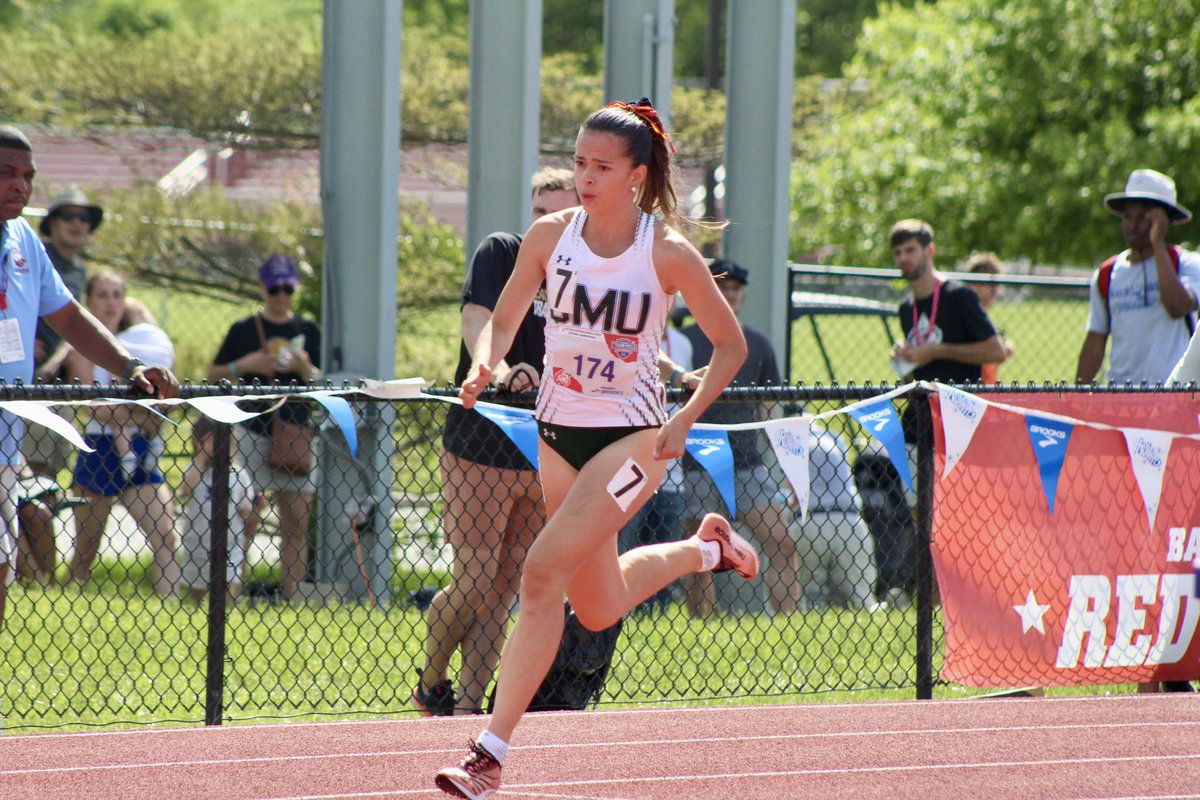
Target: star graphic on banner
(1031, 613)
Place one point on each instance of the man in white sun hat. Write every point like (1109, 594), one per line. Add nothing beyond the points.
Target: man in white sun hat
(1144, 298)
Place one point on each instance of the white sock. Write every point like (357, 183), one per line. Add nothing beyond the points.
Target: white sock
(129, 463)
(710, 554)
(494, 745)
(154, 451)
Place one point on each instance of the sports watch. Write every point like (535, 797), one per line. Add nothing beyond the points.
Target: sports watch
(131, 364)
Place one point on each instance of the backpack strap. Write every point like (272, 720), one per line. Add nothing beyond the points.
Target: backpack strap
(1104, 279)
(262, 336)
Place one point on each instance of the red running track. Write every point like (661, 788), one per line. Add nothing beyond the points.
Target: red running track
(1130, 746)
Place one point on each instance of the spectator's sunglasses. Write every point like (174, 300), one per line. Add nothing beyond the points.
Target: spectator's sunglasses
(287, 288)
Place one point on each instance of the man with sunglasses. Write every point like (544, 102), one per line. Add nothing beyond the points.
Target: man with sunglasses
(30, 289)
(275, 344)
(66, 232)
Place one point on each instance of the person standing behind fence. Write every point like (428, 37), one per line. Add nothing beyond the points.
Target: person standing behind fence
(948, 336)
(1144, 298)
(837, 555)
(196, 534)
(989, 264)
(760, 506)
(31, 288)
(275, 344)
(610, 269)
(66, 230)
(494, 505)
(103, 476)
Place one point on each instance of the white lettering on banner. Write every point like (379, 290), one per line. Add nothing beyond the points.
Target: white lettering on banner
(880, 418)
(1086, 616)
(1183, 546)
(1169, 648)
(1050, 436)
(1129, 647)
(711, 445)
(1091, 601)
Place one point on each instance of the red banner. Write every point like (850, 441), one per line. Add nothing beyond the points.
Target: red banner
(1086, 595)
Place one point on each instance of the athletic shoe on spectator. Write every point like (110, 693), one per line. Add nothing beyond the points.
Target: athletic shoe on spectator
(437, 702)
(736, 552)
(476, 777)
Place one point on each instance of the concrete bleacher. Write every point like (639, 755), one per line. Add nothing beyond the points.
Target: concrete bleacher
(434, 174)
(100, 163)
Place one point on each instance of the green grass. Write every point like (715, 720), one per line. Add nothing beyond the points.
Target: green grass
(426, 342)
(1046, 332)
(114, 654)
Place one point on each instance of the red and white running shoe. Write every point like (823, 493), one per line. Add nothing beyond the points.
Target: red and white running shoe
(476, 777)
(736, 552)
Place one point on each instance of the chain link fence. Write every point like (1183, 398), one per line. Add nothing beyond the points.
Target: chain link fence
(137, 599)
(845, 319)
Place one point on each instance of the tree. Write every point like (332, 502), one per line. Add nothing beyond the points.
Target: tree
(1003, 124)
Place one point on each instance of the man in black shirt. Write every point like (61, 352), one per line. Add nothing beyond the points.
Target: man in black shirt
(759, 505)
(948, 336)
(494, 505)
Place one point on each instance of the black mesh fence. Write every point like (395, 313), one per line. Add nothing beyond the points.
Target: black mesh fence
(337, 568)
(845, 320)
(151, 589)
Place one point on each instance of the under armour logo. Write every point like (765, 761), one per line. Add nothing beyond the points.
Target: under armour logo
(563, 260)
(548, 434)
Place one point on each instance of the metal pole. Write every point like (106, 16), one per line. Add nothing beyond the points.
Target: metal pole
(218, 559)
(504, 123)
(760, 62)
(920, 396)
(712, 82)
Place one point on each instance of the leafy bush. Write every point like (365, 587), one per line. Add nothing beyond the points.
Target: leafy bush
(195, 261)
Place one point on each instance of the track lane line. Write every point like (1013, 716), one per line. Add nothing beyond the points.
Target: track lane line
(407, 792)
(856, 771)
(591, 744)
(813, 708)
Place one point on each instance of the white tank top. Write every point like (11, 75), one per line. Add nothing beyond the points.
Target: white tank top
(604, 324)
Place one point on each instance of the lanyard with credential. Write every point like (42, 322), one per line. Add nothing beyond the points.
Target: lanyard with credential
(4, 259)
(916, 331)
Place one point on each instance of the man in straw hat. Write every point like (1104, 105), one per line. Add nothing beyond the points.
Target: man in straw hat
(1144, 297)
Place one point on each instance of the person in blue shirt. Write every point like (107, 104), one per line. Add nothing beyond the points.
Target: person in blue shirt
(30, 289)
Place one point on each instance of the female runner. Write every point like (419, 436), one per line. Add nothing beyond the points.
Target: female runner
(611, 270)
